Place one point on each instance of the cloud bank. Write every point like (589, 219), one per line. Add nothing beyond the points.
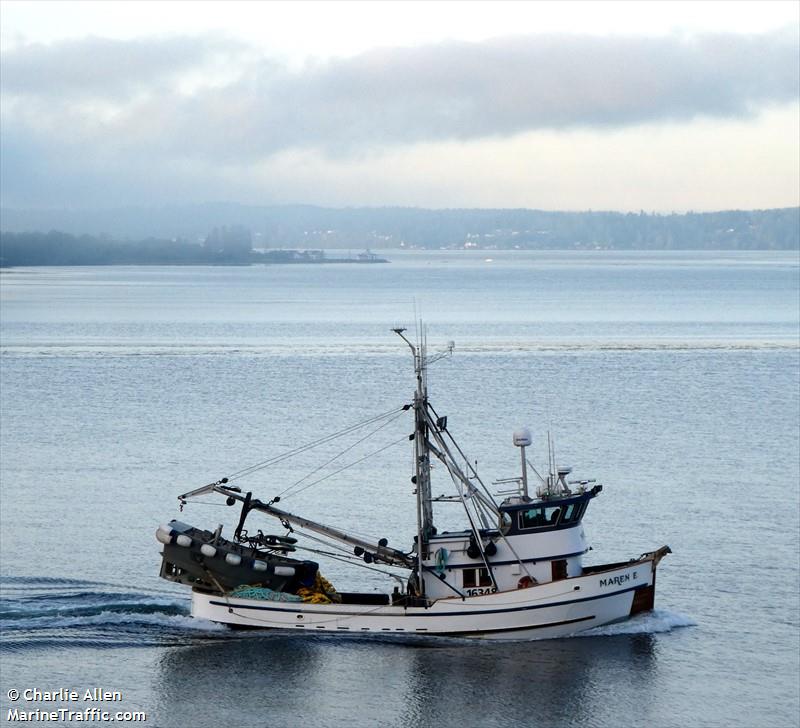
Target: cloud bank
(82, 108)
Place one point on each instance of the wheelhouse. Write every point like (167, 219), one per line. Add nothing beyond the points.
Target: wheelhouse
(552, 514)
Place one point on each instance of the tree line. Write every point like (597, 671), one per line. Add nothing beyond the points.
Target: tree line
(321, 228)
(57, 248)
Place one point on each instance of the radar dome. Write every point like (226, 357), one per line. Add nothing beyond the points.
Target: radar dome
(522, 437)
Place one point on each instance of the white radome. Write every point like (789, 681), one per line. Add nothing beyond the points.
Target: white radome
(522, 437)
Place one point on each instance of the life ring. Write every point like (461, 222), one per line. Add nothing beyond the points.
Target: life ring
(525, 582)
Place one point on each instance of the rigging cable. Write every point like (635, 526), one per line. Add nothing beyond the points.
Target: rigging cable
(358, 563)
(335, 457)
(350, 465)
(308, 446)
(466, 459)
(345, 557)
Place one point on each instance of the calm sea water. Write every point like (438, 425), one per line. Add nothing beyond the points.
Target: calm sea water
(674, 379)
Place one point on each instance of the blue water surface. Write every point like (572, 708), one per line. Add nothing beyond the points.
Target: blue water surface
(672, 378)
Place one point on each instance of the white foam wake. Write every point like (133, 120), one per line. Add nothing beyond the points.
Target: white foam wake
(659, 620)
(172, 622)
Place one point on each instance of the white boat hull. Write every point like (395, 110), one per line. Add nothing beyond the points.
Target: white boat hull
(554, 609)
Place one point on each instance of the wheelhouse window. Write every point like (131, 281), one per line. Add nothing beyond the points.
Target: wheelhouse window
(541, 517)
(476, 577)
(573, 512)
(577, 512)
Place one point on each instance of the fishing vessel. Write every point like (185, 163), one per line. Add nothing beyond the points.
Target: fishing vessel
(515, 570)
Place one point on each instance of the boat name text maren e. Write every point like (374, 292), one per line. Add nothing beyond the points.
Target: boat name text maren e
(618, 580)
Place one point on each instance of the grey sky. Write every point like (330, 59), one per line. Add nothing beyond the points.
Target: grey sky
(173, 118)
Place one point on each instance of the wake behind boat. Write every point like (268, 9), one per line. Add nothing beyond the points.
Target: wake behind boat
(515, 572)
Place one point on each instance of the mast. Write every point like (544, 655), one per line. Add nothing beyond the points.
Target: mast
(522, 439)
(422, 459)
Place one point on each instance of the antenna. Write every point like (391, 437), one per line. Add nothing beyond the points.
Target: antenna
(420, 349)
(552, 457)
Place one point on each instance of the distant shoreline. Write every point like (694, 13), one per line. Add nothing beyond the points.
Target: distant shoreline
(305, 228)
(487, 256)
(60, 249)
(4, 266)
